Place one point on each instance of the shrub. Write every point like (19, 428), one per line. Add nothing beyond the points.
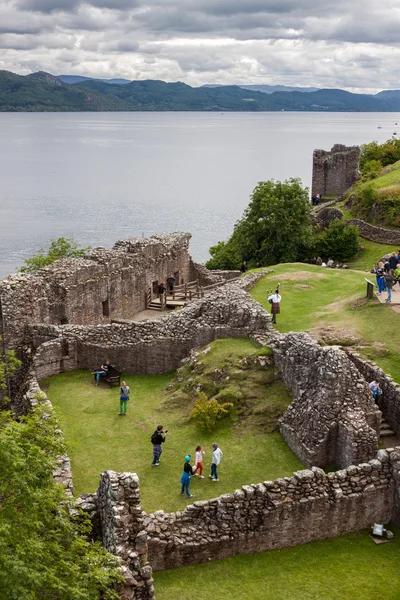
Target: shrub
(61, 248)
(339, 241)
(371, 169)
(208, 412)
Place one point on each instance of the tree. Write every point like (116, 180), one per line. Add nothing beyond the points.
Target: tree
(44, 553)
(387, 153)
(273, 228)
(61, 248)
(338, 241)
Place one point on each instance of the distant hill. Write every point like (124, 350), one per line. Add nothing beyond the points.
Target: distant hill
(45, 92)
(268, 89)
(79, 78)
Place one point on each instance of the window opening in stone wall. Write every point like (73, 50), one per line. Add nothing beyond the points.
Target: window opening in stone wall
(106, 308)
(177, 280)
(63, 321)
(155, 287)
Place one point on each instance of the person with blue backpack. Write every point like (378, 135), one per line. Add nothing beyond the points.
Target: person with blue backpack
(186, 477)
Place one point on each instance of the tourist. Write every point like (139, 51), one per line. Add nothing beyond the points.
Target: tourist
(397, 274)
(171, 283)
(199, 462)
(275, 301)
(375, 389)
(243, 267)
(393, 261)
(386, 266)
(157, 439)
(319, 261)
(102, 371)
(216, 459)
(186, 477)
(380, 278)
(330, 263)
(161, 289)
(389, 280)
(124, 392)
(398, 256)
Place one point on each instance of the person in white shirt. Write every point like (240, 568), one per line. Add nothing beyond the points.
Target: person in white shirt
(275, 301)
(216, 459)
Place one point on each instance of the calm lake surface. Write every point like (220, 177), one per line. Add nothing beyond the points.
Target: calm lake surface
(98, 177)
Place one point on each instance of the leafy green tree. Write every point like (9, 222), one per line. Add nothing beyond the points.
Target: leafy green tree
(387, 153)
(273, 229)
(61, 248)
(44, 554)
(371, 169)
(338, 241)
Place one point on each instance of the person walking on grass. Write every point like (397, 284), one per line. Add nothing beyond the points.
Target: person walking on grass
(157, 439)
(216, 459)
(199, 462)
(275, 301)
(124, 392)
(186, 477)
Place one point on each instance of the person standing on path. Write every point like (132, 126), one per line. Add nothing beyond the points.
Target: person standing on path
(157, 439)
(186, 477)
(124, 392)
(380, 278)
(389, 280)
(275, 301)
(216, 459)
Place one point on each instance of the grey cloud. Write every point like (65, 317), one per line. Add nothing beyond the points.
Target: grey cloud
(57, 6)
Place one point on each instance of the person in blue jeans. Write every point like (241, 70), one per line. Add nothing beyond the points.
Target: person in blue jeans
(216, 459)
(186, 477)
(157, 439)
(389, 280)
(102, 371)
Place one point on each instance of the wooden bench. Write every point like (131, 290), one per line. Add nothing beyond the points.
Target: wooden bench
(113, 377)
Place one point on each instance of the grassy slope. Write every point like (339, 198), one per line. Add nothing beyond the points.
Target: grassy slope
(100, 439)
(315, 297)
(370, 254)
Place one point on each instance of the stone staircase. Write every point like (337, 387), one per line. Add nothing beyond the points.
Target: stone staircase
(385, 429)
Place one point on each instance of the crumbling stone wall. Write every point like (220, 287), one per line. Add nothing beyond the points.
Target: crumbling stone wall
(148, 347)
(121, 517)
(376, 234)
(335, 171)
(389, 401)
(105, 284)
(333, 419)
(311, 505)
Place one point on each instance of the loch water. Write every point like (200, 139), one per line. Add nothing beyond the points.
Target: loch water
(99, 177)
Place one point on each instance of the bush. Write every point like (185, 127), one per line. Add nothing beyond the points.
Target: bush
(61, 248)
(371, 169)
(338, 241)
(387, 153)
(208, 412)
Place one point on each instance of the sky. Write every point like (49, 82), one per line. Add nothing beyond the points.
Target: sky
(353, 45)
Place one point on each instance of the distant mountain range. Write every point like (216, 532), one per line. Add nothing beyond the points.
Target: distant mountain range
(45, 92)
(267, 89)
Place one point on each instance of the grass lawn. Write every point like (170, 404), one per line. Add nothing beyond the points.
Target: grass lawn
(314, 297)
(99, 439)
(351, 567)
(370, 254)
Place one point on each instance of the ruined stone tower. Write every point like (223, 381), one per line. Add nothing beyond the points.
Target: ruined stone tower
(335, 171)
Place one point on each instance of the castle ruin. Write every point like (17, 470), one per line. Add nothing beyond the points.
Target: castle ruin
(335, 171)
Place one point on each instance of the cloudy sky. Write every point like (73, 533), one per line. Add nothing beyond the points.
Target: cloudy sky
(352, 45)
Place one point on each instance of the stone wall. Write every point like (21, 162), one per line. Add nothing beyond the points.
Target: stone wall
(149, 347)
(389, 401)
(106, 284)
(311, 505)
(121, 517)
(333, 419)
(376, 234)
(335, 171)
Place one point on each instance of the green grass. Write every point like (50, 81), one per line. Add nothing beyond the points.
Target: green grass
(370, 254)
(351, 567)
(314, 297)
(390, 176)
(99, 439)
